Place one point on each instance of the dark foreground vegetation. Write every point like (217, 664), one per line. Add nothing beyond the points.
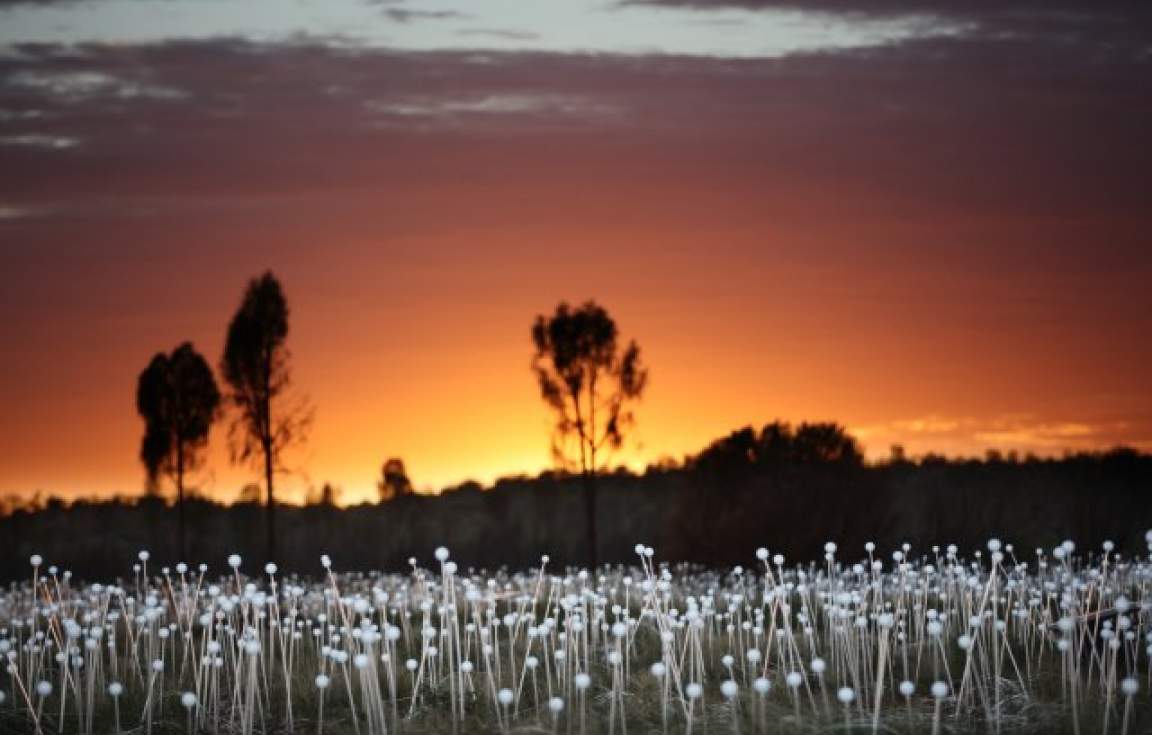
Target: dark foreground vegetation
(748, 490)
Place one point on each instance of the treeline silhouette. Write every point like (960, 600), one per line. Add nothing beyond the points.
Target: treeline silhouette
(790, 489)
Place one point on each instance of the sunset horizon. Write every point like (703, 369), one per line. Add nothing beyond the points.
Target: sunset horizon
(474, 456)
(926, 221)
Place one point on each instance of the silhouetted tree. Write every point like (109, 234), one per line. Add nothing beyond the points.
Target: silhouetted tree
(589, 383)
(826, 442)
(778, 444)
(394, 481)
(255, 365)
(733, 454)
(178, 399)
(897, 455)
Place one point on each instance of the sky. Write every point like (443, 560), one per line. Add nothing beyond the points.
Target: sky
(927, 220)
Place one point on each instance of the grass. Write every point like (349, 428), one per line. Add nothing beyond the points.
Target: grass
(990, 643)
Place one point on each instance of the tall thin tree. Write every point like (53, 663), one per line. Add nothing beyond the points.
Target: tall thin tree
(590, 384)
(177, 397)
(255, 366)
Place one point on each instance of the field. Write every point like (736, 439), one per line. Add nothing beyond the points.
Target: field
(904, 640)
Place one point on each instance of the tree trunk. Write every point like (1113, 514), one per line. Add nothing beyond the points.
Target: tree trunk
(180, 500)
(590, 515)
(590, 471)
(270, 510)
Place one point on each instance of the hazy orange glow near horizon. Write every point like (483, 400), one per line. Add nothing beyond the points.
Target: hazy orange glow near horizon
(937, 241)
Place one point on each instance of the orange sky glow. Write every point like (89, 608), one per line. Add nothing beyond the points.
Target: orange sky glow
(940, 242)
